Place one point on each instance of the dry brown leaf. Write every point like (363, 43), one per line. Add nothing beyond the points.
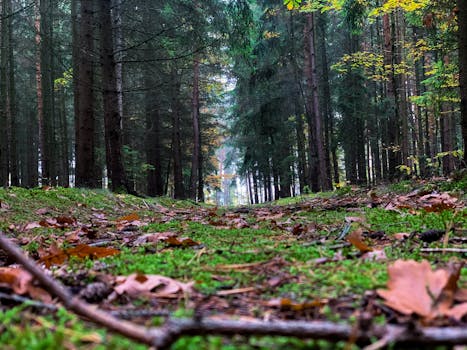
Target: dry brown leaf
(31, 225)
(287, 304)
(355, 238)
(151, 285)
(153, 237)
(413, 287)
(21, 282)
(81, 251)
(129, 217)
(180, 242)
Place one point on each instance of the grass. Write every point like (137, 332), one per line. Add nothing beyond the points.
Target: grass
(259, 242)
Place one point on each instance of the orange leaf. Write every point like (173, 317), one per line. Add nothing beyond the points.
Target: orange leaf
(21, 282)
(414, 288)
(355, 238)
(182, 242)
(81, 251)
(129, 217)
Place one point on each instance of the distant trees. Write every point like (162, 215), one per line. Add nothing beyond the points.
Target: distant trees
(128, 102)
(386, 110)
(129, 94)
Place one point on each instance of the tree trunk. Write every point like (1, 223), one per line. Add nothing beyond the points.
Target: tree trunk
(11, 106)
(179, 190)
(393, 129)
(316, 119)
(196, 159)
(112, 101)
(4, 154)
(328, 132)
(86, 175)
(45, 92)
(462, 23)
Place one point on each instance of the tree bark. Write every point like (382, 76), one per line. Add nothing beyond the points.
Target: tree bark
(4, 154)
(196, 159)
(112, 90)
(393, 129)
(462, 23)
(179, 189)
(86, 175)
(314, 108)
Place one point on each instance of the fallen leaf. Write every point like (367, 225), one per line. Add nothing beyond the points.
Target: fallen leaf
(81, 251)
(129, 217)
(153, 237)
(31, 225)
(287, 304)
(355, 238)
(151, 285)
(413, 287)
(180, 242)
(21, 282)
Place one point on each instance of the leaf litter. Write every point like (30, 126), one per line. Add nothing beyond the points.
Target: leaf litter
(261, 288)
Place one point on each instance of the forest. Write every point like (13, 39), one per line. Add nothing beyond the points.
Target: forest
(233, 174)
(202, 98)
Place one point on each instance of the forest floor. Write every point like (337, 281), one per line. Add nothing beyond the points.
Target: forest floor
(314, 257)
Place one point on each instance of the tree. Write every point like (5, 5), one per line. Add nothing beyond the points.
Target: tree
(85, 120)
(112, 100)
(462, 23)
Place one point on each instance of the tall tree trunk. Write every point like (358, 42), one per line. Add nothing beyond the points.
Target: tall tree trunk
(4, 154)
(112, 90)
(401, 89)
(62, 138)
(328, 129)
(299, 124)
(86, 175)
(316, 119)
(196, 175)
(462, 23)
(179, 190)
(313, 163)
(45, 92)
(153, 125)
(12, 107)
(393, 126)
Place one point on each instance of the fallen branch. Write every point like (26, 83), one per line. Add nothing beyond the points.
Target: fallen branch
(163, 337)
(31, 302)
(444, 250)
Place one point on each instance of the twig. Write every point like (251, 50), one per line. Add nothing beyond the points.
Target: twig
(443, 250)
(163, 337)
(20, 299)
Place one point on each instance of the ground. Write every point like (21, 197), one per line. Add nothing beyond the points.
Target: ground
(315, 257)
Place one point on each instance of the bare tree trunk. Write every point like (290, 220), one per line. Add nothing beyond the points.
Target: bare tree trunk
(196, 159)
(462, 23)
(393, 126)
(85, 124)
(112, 99)
(401, 89)
(323, 182)
(12, 107)
(179, 190)
(4, 154)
